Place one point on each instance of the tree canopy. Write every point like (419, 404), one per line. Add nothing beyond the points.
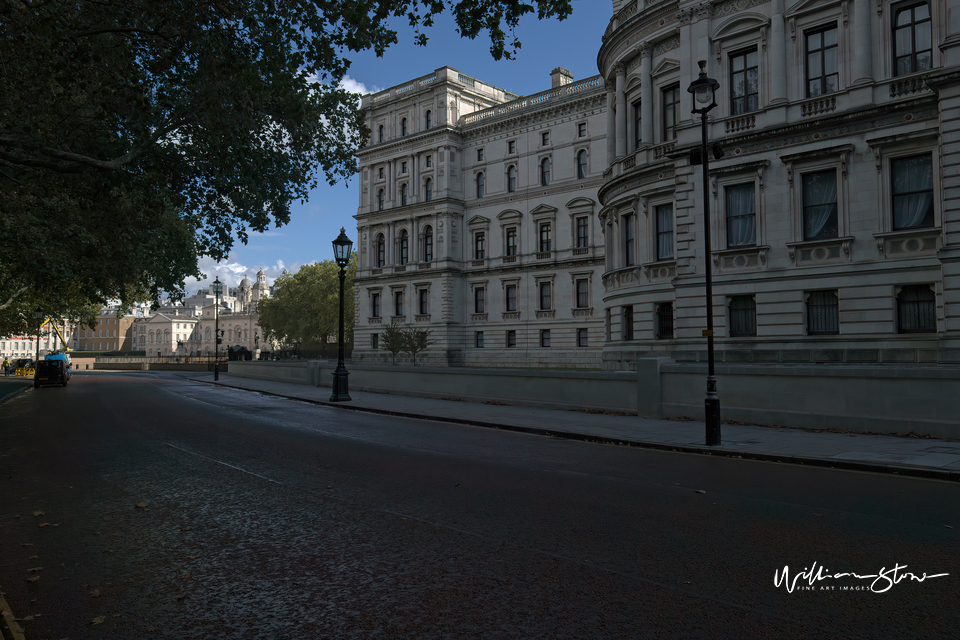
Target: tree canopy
(139, 135)
(305, 306)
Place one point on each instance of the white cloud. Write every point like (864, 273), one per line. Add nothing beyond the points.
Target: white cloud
(355, 86)
(230, 272)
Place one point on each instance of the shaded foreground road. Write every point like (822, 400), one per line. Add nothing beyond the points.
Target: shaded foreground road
(268, 518)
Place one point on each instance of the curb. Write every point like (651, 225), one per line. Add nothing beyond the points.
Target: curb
(845, 465)
(14, 394)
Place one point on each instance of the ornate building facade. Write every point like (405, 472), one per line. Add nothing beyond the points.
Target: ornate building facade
(835, 204)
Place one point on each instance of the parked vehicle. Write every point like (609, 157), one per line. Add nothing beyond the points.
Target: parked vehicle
(50, 372)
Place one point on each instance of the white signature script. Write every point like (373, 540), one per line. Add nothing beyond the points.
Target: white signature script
(882, 581)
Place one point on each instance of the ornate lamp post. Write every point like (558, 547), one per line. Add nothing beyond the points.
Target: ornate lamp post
(38, 316)
(704, 92)
(341, 253)
(217, 290)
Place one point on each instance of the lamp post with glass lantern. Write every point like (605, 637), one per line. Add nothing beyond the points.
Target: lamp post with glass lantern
(704, 90)
(217, 290)
(341, 253)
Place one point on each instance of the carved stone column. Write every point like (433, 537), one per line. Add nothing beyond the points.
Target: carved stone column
(646, 94)
(611, 122)
(621, 111)
(778, 55)
(862, 42)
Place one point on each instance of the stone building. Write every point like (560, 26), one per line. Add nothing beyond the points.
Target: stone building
(478, 221)
(835, 211)
(112, 333)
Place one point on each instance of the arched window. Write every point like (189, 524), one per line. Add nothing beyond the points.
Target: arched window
(404, 247)
(403, 195)
(428, 119)
(380, 133)
(582, 164)
(545, 172)
(380, 200)
(428, 244)
(481, 185)
(381, 251)
(206, 334)
(403, 127)
(512, 178)
(238, 333)
(427, 190)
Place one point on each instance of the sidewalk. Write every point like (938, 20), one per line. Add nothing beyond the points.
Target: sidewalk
(11, 386)
(920, 457)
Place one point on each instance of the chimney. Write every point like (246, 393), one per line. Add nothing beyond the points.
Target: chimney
(560, 77)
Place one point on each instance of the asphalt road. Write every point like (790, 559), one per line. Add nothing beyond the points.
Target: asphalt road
(261, 517)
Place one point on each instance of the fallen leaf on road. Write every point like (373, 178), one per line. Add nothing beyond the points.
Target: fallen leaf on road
(95, 593)
(700, 491)
(142, 505)
(153, 629)
(33, 579)
(28, 618)
(948, 526)
(117, 615)
(38, 513)
(44, 524)
(186, 575)
(33, 557)
(35, 569)
(192, 557)
(98, 620)
(26, 544)
(181, 596)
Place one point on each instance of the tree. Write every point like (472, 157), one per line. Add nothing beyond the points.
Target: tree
(305, 307)
(415, 341)
(393, 339)
(136, 136)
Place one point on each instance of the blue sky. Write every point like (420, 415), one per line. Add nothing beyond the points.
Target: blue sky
(572, 44)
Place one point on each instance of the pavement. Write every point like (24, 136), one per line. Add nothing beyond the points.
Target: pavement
(11, 386)
(908, 456)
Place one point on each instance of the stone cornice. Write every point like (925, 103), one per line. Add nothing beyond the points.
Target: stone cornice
(408, 144)
(595, 99)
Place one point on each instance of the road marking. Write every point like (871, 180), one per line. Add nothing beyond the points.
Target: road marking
(13, 627)
(226, 464)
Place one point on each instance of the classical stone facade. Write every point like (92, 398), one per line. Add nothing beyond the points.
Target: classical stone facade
(834, 206)
(478, 221)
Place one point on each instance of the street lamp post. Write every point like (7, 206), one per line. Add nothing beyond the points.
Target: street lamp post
(38, 316)
(217, 290)
(704, 92)
(341, 253)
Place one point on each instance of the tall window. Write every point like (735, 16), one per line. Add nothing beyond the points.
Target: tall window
(626, 320)
(479, 300)
(428, 190)
(404, 247)
(583, 293)
(380, 133)
(510, 297)
(403, 127)
(664, 214)
(403, 195)
(636, 124)
(381, 173)
(583, 337)
(741, 215)
(478, 339)
(480, 154)
(743, 316)
(428, 119)
(375, 305)
(545, 138)
(912, 179)
(511, 146)
(744, 82)
(822, 76)
(481, 185)
(479, 245)
(374, 341)
(545, 172)
(381, 251)
(511, 241)
(916, 310)
(665, 321)
(629, 242)
(545, 237)
(424, 296)
(671, 112)
(429, 161)
(820, 205)
(398, 303)
(581, 164)
(823, 317)
(380, 200)
(545, 337)
(546, 299)
(512, 178)
(511, 338)
(582, 130)
(583, 232)
(428, 244)
(913, 42)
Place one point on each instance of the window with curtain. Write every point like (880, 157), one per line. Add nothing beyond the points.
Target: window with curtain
(664, 213)
(511, 178)
(626, 322)
(583, 232)
(546, 299)
(912, 181)
(741, 215)
(545, 172)
(744, 82)
(823, 313)
(511, 241)
(479, 300)
(916, 309)
(582, 164)
(479, 245)
(629, 241)
(398, 303)
(481, 184)
(404, 247)
(403, 195)
(912, 37)
(583, 293)
(428, 244)
(424, 299)
(478, 339)
(743, 316)
(403, 127)
(822, 51)
(375, 305)
(510, 295)
(381, 251)
(427, 190)
(511, 338)
(583, 337)
(545, 337)
(820, 205)
(671, 112)
(380, 200)
(545, 237)
(428, 119)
